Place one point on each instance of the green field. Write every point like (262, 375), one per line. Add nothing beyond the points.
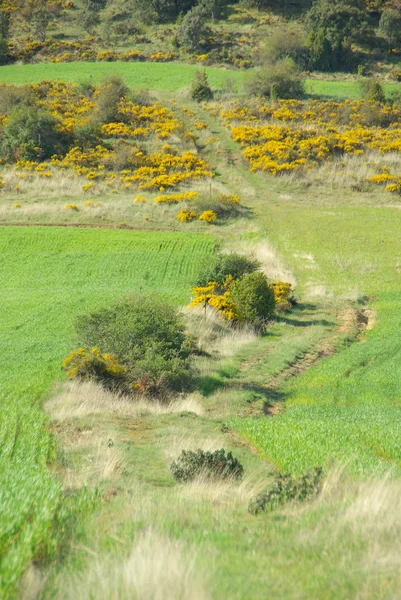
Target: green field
(340, 411)
(140, 75)
(162, 76)
(49, 275)
(346, 408)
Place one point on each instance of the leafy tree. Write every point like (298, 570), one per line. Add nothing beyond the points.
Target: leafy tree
(333, 26)
(390, 26)
(280, 80)
(193, 31)
(284, 43)
(200, 90)
(4, 24)
(253, 297)
(31, 133)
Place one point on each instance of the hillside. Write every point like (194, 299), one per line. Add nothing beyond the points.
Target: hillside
(200, 264)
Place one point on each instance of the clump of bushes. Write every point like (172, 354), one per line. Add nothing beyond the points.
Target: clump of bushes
(287, 488)
(145, 335)
(214, 465)
(31, 133)
(233, 285)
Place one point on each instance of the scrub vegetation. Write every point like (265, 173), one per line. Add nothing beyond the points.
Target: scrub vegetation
(199, 262)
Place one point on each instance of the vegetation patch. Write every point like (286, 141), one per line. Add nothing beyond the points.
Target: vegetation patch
(215, 464)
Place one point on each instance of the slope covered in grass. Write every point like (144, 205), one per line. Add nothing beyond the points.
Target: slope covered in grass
(348, 406)
(49, 275)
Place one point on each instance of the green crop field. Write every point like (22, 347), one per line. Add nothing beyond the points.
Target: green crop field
(347, 407)
(109, 198)
(49, 275)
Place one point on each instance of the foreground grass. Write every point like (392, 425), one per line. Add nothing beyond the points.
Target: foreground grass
(48, 277)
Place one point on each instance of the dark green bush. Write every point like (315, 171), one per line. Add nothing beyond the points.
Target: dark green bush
(193, 32)
(253, 297)
(286, 488)
(31, 133)
(200, 90)
(147, 336)
(222, 265)
(215, 464)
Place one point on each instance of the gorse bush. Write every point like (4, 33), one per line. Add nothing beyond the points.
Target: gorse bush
(215, 465)
(286, 488)
(92, 364)
(372, 91)
(147, 336)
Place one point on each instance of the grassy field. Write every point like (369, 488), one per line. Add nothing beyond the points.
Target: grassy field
(140, 75)
(199, 542)
(48, 277)
(162, 76)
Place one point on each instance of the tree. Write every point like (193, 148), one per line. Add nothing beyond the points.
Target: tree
(253, 297)
(390, 26)
(200, 90)
(193, 31)
(333, 26)
(146, 335)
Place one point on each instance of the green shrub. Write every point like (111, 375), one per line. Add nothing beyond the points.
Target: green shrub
(253, 298)
(112, 90)
(286, 43)
(390, 26)
(373, 91)
(200, 90)
(287, 488)
(147, 336)
(216, 464)
(31, 133)
(222, 265)
(280, 80)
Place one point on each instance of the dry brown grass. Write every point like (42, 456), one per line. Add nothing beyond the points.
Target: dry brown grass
(79, 399)
(213, 334)
(156, 568)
